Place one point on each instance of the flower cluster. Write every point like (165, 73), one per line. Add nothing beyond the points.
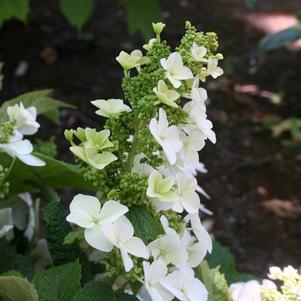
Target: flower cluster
(21, 121)
(290, 288)
(147, 158)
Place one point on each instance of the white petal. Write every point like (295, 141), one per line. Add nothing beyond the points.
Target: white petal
(111, 211)
(136, 247)
(84, 211)
(31, 160)
(196, 291)
(98, 240)
(127, 261)
(172, 283)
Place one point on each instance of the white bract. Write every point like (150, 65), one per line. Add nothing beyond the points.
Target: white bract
(167, 136)
(184, 286)
(187, 198)
(110, 108)
(165, 95)
(22, 150)
(86, 212)
(133, 60)
(175, 70)
(213, 69)
(25, 118)
(199, 231)
(169, 247)
(154, 273)
(198, 52)
(196, 250)
(121, 234)
(160, 187)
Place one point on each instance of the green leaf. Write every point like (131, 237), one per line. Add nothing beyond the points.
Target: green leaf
(56, 230)
(223, 258)
(46, 105)
(77, 12)
(141, 14)
(215, 282)
(280, 38)
(145, 225)
(72, 236)
(11, 260)
(95, 291)
(251, 3)
(58, 283)
(13, 9)
(55, 174)
(14, 288)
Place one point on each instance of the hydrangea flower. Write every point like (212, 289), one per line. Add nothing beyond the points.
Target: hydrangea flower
(154, 273)
(110, 108)
(166, 95)
(213, 69)
(86, 212)
(184, 286)
(167, 136)
(169, 247)
(133, 60)
(187, 198)
(198, 52)
(121, 234)
(175, 70)
(21, 149)
(25, 118)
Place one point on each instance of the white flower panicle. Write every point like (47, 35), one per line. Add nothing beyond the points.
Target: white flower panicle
(24, 123)
(169, 259)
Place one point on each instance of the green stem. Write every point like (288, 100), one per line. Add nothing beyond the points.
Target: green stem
(12, 163)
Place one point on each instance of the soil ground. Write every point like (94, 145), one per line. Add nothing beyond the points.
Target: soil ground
(246, 167)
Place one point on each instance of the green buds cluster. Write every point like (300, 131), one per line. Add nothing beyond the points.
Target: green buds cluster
(4, 185)
(6, 131)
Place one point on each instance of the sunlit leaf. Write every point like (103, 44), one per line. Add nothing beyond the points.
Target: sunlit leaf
(17, 289)
(141, 14)
(77, 12)
(13, 9)
(280, 38)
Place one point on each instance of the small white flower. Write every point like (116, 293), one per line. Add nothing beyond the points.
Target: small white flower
(160, 187)
(167, 136)
(195, 249)
(25, 118)
(153, 274)
(133, 60)
(187, 198)
(110, 108)
(169, 247)
(121, 234)
(198, 118)
(22, 150)
(193, 142)
(86, 212)
(198, 52)
(245, 291)
(166, 95)
(199, 231)
(184, 286)
(150, 43)
(213, 69)
(175, 70)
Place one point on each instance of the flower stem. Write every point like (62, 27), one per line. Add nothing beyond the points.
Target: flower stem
(12, 163)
